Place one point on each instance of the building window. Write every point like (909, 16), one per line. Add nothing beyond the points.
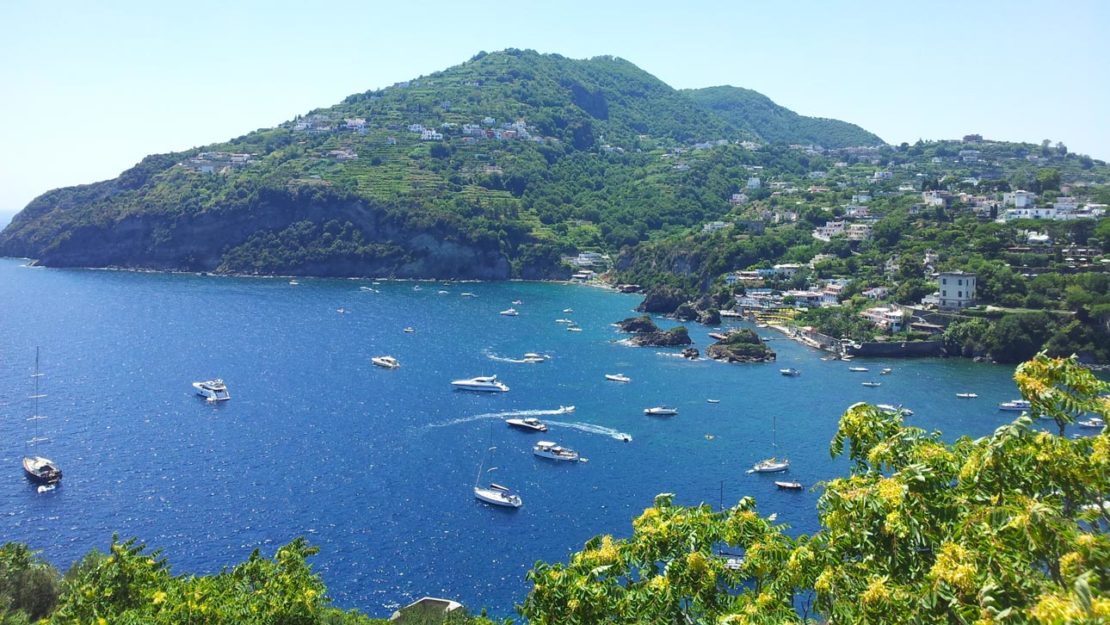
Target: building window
(959, 293)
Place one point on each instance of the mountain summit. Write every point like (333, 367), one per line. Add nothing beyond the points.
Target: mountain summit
(489, 169)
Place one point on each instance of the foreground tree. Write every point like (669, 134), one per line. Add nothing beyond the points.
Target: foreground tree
(1009, 528)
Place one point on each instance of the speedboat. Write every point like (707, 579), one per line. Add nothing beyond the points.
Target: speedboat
(498, 495)
(770, 465)
(565, 409)
(409, 330)
(293, 283)
(713, 401)
(617, 377)
(530, 423)
(858, 369)
(790, 372)
(41, 470)
(886, 371)
(871, 384)
(1093, 422)
(551, 451)
(661, 411)
(387, 362)
(568, 310)
(569, 321)
(1016, 405)
(532, 357)
(517, 302)
(966, 395)
(511, 312)
(788, 485)
(482, 383)
(574, 329)
(212, 390)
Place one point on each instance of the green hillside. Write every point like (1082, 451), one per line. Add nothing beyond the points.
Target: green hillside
(754, 112)
(490, 169)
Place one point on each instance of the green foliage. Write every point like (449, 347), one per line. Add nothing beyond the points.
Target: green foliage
(1005, 528)
(29, 586)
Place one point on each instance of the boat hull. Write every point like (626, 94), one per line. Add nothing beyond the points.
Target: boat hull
(497, 498)
(41, 471)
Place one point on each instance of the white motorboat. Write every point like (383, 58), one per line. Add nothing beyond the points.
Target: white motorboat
(886, 371)
(966, 395)
(293, 283)
(533, 358)
(858, 369)
(790, 372)
(386, 362)
(552, 451)
(498, 495)
(570, 321)
(568, 310)
(617, 377)
(871, 384)
(517, 302)
(482, 383)
(574, 329)
(409, 330)
(530, 423)
(469, 295)
(784, 485)
(510, 312)
(712, 401)
(661, 411)
(565, 409)
(1093, 422)
(212, 390)
(1017, 405)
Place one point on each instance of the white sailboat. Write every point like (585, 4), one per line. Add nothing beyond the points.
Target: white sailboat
(495, 494)
(39, 469)
(772, 464)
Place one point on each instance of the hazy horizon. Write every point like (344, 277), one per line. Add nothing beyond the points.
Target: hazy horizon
(95, 89)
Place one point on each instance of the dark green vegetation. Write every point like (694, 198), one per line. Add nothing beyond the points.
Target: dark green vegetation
(755, 112)
(130, 584)
(587, 166)
(1008, 528)
(646, 334)
(741, 346)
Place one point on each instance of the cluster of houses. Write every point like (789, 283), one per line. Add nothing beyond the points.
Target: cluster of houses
(588, 265)
(216, 162)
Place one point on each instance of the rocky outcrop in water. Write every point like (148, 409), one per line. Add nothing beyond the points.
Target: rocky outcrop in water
(647, 334)
(741, 346)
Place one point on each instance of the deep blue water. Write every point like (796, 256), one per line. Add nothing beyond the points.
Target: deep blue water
(376, 467)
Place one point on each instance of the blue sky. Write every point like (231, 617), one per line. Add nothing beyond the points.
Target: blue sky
(88, 89)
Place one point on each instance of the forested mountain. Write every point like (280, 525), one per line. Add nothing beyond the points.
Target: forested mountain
(752, 111)
(490, 169)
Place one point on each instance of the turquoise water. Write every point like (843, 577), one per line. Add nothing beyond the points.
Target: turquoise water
(375, 466)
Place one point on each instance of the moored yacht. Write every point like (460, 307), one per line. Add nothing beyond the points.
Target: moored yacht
(770, 465)
(661, 411)
(386, 362)
(784, 485)
(38, 468)
(510, 312)
(551, 451)
(212, 390)
(617, 377)
(1016, 405)
(1093, 422)
(41, 470)
(872, 384)
(482, 383)
(530, 423)
(790, 372)
(966, 395)
(858, 369)
(498, 495)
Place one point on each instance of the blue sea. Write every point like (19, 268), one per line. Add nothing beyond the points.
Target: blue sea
(376, 466)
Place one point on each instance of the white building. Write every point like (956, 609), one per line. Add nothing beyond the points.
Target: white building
(829, 230)
(957, 289)
(714, 226)
(1019, 198)
(889, 318)
(754, 183)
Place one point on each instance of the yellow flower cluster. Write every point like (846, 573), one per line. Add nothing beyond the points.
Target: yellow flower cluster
(1071, 564)
(895, 524)
(877, 593)
(824, 582)
(659, 583)
(1056, 610)
(606, 554)
(891, 491)
(955, 567)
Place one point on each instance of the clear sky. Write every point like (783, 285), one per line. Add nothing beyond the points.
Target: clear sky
(89, 88)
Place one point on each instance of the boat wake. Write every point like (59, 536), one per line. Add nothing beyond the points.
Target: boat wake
(590, 428)
(516, 361)
(497, 415)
